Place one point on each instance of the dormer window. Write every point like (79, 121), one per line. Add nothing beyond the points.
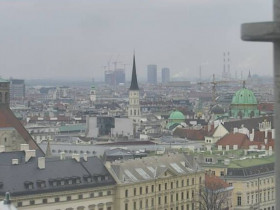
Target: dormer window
(41, 184)
(28, 185)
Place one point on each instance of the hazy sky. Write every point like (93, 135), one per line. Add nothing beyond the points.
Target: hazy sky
(76, 38)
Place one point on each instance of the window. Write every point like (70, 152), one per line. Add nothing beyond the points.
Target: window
(126, 206)
(126, 193)
(200, 180)
(134, 205)
(182, 183)
(68, 198)
(159, 187)
(45, 200)
(159, 199)
(188, 182)
(56, 199)
(19, 204)
(91, 195)
(187, 194)
(141, 206)
(177, 197)
(239, 201)
(140, 190)
(152, 188)
(134, 191)
(165, 199)
(171, 185)
(192, 181)
(32, 202)
(182, 195)
(147, 189)
(147, 203)
(177, 184)
(100, 194)
(109, 192)
(165, 186)
(80, 196)
(152, 202)
(171, 198)
(192, 194)
(109, 208)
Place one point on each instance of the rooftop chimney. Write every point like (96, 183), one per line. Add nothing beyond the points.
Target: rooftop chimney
(14, 161)
(62, 156)
(76, 157)
(2, 148)
(29, 154)
(41, 162)
(85, 157)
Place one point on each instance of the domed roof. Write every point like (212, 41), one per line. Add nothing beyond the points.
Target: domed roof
(176, 115)
(244, 96)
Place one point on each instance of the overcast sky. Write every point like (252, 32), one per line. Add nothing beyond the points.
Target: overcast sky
(76, 38)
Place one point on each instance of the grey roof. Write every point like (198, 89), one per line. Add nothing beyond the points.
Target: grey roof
(15, 178)
(250, 171)
(153, 167)
(252, 123)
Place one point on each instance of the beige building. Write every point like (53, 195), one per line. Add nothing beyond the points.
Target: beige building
(254, 187)
(168, 182)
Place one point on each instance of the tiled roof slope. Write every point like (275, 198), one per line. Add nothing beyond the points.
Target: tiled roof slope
(14, 178)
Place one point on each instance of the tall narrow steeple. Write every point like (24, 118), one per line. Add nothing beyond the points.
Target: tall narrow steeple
(134, 83)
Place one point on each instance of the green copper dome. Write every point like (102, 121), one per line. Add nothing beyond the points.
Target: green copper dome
(244, 96)
(176, 115)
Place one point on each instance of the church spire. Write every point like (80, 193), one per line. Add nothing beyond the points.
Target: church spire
(134, 83)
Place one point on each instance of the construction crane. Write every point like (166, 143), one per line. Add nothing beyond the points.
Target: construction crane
(214, 85)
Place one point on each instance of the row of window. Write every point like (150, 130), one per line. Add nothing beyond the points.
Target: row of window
(166, 186)
(262, 196)
(183, 207)
(164, 199)
(68, 198)
(261, 181)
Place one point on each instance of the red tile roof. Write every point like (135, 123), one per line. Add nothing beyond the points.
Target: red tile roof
(190, 134)
(231, 139)
(215, 183)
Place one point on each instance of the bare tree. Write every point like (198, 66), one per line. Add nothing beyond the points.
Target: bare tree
(215, 196)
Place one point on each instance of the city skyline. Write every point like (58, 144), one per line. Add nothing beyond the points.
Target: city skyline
(75, 40)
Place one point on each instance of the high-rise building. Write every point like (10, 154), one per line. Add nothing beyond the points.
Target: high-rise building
(115, 77)
(119, 76)
(17, 88)
(165, 75)
(134, 105)
(152, 74)
(109, 77)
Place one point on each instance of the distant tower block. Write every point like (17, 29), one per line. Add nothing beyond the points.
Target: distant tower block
(134, 105)
(4, 92)
(152, 74)
(165, 75)
(92, 95)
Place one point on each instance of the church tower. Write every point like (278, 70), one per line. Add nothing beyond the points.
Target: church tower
(92, 95)
(134, 105)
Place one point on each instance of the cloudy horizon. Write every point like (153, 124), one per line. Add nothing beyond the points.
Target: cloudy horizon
(70, 39)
